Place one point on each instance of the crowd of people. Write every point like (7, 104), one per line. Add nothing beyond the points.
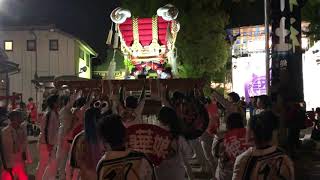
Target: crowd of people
(86, 136)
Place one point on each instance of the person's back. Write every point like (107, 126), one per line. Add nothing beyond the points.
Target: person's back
(49, 128)
(126, 165)
(120, 163)
(81, 159)
(174, 167)
(232, 144)
(48, 140)
(263, 161)
(66, 121)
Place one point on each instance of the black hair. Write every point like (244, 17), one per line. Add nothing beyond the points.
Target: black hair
(178, 95)
(3, 111)
(44, 105)
(142, 76)
(90, 124)
(208, 100)
(234, 97)
(22, 105)
(177, 98)
(111, 130)
(64, 99)
(30, 99)
(263, 125)
(265, 101)
(80, 102)
(318, 109)
(168, 70)
(52, 100)
(132, 102)
(168, 117)
(234, 120)
(15, 114)
(133, 70)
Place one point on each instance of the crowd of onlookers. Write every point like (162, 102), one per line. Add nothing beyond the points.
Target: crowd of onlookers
(85, 136)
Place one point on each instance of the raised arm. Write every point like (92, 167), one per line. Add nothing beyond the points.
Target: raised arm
(115, 99)
(73, 98)
(122, 96)
(141, 100)
(164, 95)
(224, 102)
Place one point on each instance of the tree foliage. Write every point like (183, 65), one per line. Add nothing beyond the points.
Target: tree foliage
(202, 48)
(311, 13)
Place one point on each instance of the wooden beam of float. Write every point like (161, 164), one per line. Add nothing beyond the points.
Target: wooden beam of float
(105, 86)
(85, 85)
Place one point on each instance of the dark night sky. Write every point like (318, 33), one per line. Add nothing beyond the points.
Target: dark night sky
(86, 19)
(89, 19)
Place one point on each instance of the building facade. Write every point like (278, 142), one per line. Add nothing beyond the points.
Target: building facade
(44, 51)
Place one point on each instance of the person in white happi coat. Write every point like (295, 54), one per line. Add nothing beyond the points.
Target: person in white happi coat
(13, 148)
(48, 141)
(65, 133)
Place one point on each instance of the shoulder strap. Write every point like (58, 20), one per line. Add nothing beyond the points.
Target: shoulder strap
(47, 127)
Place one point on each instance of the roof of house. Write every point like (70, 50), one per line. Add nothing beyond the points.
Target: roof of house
(50, 27)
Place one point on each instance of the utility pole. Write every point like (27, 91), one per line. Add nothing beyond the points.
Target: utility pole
(36, 67)
(267, 50)
(287, 79)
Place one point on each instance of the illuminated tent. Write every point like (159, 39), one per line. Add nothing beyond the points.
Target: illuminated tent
(147, 42)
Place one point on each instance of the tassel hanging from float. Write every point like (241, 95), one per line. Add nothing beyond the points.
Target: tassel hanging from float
(169, 35)
(109, 39)
(112, 67)
(116, 39)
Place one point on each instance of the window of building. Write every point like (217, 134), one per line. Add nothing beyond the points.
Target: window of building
(31, 45)
(81, 54)
(87, 60)
(53, 45)
(8, 45)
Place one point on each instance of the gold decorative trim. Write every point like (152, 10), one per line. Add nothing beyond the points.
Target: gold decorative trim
(154, 47)
(136, 46)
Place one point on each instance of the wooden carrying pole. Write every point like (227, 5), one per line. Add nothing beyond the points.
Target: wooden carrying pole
(105, 86)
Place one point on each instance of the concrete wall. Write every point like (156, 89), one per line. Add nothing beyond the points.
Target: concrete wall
(50, 63)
